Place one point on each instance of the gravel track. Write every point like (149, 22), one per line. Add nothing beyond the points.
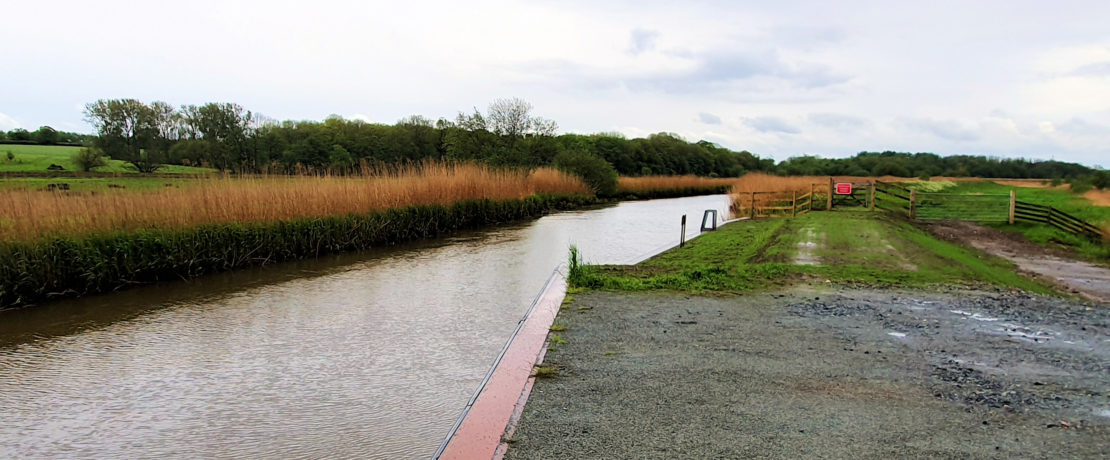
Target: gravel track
(823, 372)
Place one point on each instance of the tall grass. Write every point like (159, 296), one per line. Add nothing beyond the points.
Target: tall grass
(31, 215)
(651, 184)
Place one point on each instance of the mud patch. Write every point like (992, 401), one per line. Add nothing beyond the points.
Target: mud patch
(1084, 278)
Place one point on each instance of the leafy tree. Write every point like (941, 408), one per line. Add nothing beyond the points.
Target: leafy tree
(595, 171)
(132, 131)
(340, 159)
(46, 135)
(226, 127)
(19, 134)
(89, 158)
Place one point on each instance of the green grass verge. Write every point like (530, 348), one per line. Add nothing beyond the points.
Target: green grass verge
(36, 158)
(854, 247)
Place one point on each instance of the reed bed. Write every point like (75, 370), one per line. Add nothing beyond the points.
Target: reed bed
(1098, 197)
(30, 215)
(655, 183)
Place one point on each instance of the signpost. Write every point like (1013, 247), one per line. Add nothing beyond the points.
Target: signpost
(844, 188)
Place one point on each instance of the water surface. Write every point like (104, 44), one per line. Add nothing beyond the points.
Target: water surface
(372, 354)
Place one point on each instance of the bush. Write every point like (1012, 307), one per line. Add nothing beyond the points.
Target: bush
(89, 158)
(594, 171)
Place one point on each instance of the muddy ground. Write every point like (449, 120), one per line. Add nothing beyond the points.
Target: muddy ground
(1056, 265)
(823, 372)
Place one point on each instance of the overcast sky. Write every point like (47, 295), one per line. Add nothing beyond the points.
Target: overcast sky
(1007, 78)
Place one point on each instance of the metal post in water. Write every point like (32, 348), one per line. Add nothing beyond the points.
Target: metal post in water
(682, 238)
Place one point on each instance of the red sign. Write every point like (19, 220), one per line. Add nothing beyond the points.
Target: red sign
(843, 188)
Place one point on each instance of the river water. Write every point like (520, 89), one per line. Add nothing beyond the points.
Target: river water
(372, 354)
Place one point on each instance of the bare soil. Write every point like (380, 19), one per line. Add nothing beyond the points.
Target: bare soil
(1056, 265)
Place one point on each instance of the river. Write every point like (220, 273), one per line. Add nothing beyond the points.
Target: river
(372, 354)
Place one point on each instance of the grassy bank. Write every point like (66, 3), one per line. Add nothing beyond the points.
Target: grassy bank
(840, 247)
(36, 158)
(43, 269)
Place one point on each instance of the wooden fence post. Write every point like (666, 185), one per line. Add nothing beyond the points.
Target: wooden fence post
(913, 204)
(1013, 206)
(811, 196)
(828, 206)
(794, 205)
(872, 182)
(752, 210)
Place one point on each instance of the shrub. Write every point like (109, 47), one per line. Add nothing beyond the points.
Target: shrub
(89, 158)
(594, 171)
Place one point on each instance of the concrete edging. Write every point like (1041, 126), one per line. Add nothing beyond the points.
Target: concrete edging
(492, 413)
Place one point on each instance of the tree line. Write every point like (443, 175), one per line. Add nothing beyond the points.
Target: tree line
(45, 135)
(925, 165)
(228, 137)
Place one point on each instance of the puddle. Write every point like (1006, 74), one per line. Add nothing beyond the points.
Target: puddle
(900, 335)
(807, 248)
(1104, 413)
(1022, 332)
(974, 316)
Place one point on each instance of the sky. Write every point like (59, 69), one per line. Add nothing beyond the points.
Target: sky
(780, 79)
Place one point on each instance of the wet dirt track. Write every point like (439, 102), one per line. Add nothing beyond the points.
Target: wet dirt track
(1089, 280)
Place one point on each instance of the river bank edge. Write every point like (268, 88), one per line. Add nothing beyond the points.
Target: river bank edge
(493, 412)
(60, 267)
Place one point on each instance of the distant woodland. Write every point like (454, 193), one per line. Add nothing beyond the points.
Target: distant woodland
(228, 137)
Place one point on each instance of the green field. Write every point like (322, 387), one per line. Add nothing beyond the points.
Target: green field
(1061, 199)
(94, 184)
(851, 246)
(36, 158)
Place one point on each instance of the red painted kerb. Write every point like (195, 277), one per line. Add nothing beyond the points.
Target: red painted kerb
(492, 413)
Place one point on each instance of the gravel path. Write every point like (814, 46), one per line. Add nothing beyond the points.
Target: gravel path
(823, 373)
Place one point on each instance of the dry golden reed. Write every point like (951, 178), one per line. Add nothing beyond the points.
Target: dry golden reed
(27, 215)
(652, 183)
(1098, 197)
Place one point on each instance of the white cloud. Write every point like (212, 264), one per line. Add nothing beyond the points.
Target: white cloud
(949, 77)
(709, 118)
(8, 123)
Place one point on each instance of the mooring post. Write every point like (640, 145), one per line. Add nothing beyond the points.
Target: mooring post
(872, 182)
(828, 206)
(682, 238)
(913, 204)
(794, 205)
(1013, 206)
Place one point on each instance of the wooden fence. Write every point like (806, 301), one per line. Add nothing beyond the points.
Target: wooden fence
(1049, 215)
(773, 204)
(978, 208)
